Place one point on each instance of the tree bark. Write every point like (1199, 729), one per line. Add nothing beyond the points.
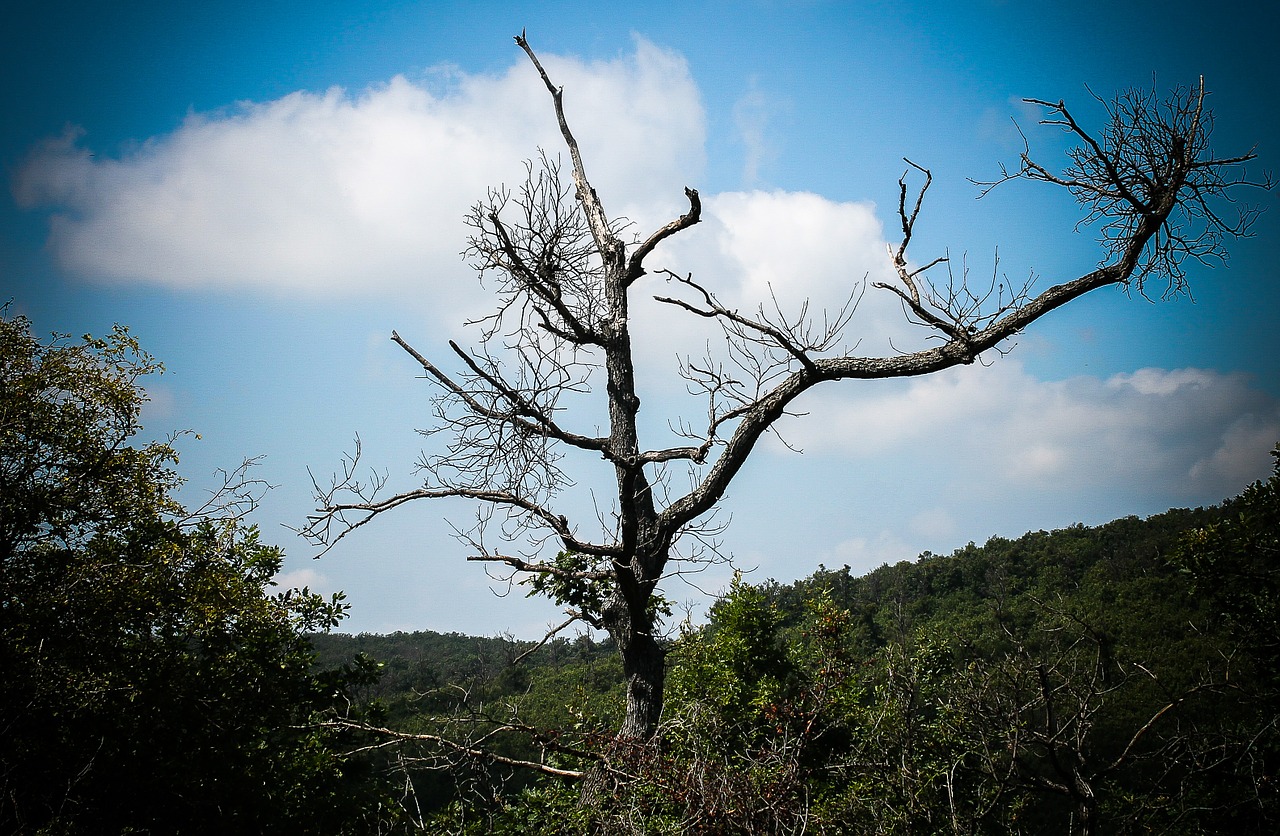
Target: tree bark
(643, 669)
(631, 624)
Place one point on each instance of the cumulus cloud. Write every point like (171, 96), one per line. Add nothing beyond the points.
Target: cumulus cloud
(302, 579)
(797, 246)
(338, 192)
(785, 252)
(1193, 434)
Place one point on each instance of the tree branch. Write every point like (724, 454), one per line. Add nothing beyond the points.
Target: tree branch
(521, 565)
(394, 736)
(606, 242)
(635, 267)
(525, 414)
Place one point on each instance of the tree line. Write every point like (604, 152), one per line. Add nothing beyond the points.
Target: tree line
(1111, 679)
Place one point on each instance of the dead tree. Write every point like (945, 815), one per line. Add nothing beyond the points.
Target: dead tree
(565, 272)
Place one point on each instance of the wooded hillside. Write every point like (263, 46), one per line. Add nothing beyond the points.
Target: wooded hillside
(1118, 678)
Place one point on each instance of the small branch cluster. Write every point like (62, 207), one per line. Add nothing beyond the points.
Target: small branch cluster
(957, 311)
(1151, 177)
(538, 244)
(1040, 712)
(763, 349)
(446, 751)
(236, 498)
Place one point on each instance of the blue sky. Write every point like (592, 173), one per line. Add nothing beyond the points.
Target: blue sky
(262, 192)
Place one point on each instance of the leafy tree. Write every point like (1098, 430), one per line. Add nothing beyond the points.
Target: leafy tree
(1234, 566)
(153, 680)
(1236, 562)
(565, 272)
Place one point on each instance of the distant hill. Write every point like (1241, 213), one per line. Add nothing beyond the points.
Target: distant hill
(1040, 562)
(1133, 661)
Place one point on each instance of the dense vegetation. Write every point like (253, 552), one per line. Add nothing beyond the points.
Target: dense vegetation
(1122, 678)
(1089, 680)
(153, 681)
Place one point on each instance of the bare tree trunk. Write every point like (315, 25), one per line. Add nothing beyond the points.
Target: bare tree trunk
(631, 622)
(643, 668)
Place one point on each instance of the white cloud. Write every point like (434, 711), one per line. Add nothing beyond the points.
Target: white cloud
(1193, 434)
(352, 193)
(751, 248)
(1236, 457)
(798, 246)
(866, 553)
(335, 193)
(302, 579)
(1162, 382)
(751, 117)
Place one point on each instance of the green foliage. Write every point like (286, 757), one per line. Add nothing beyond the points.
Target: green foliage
(1235, 562)
(583, 584)
(567, 586)
(513, 698)
(1117, 679)
(552, 807)
(739, 666)
(67, 411)
(1076, 681)
(1234, 568)
(153, 682)
(425, 672)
